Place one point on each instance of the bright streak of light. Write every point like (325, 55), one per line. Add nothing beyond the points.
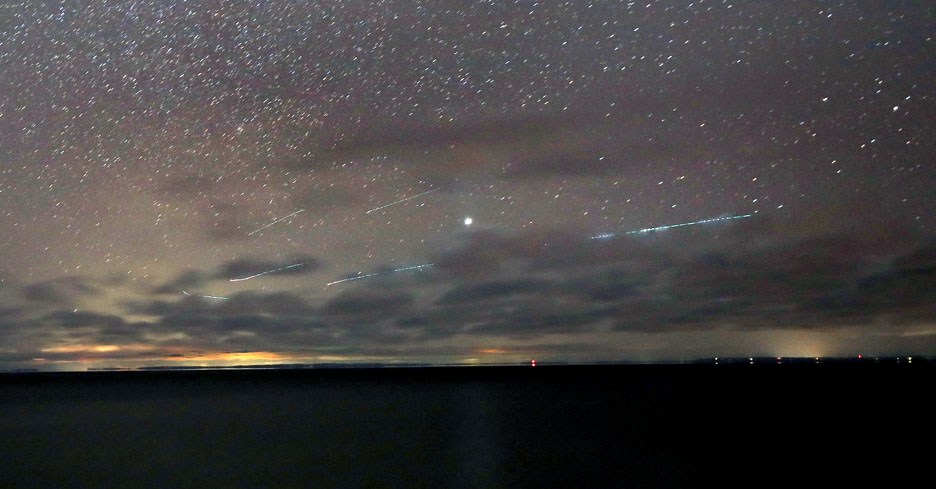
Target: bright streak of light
(269, 272)
(369, 275)
(401, 201)
(414, 267)
(274, 222)
(671, 226)
(359, 277)
(213, 297)
(693, 223)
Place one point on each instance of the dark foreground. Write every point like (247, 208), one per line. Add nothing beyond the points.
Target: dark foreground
(611, 426)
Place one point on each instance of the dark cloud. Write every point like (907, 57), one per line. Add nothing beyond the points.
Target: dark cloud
(490, 253)
(185, 305)
(376, 304)
(126, 332)
(189, 278)
(64, 290)
(507, 316)
(82, 319)
(245, 267)
(814, 284)
(670, 282)
(7, 312)
(617, 282)
(274, 304)
(526, 292)
(486, 252)
(279, 321)
(481, 253)
(906, 288)
(494, 290)
(922, 259)
(534, 320)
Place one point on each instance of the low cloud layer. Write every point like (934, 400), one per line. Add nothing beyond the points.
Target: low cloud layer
(64, 290)
(515, 288)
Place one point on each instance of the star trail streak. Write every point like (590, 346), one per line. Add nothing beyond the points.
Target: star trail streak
(671, 226)
(401, 201)
(369, 275)
(212, 297)
(268, 272)
(274, 222)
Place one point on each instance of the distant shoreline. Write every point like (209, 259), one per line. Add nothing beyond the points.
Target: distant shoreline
(426, 369)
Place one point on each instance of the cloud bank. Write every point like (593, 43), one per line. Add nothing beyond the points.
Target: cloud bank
(523, 290)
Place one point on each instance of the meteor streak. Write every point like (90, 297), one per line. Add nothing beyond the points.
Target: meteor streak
(351, 279)
(213, 297)
(369, 275)
(274, 222)
(670, 226)
(269, 272)
(401, 201)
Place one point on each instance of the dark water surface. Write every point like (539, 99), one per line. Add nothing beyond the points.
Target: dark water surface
(609, 426)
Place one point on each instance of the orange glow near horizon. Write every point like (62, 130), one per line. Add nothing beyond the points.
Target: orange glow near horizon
(154, 355)
(232, 357)
(96, 348)
(137, 355)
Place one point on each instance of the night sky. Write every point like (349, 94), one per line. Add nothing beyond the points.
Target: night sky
(191, 182)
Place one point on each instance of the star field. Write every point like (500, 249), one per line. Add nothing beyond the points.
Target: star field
(152, 153)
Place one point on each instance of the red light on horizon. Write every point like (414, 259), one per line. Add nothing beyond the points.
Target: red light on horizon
(533, 363)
